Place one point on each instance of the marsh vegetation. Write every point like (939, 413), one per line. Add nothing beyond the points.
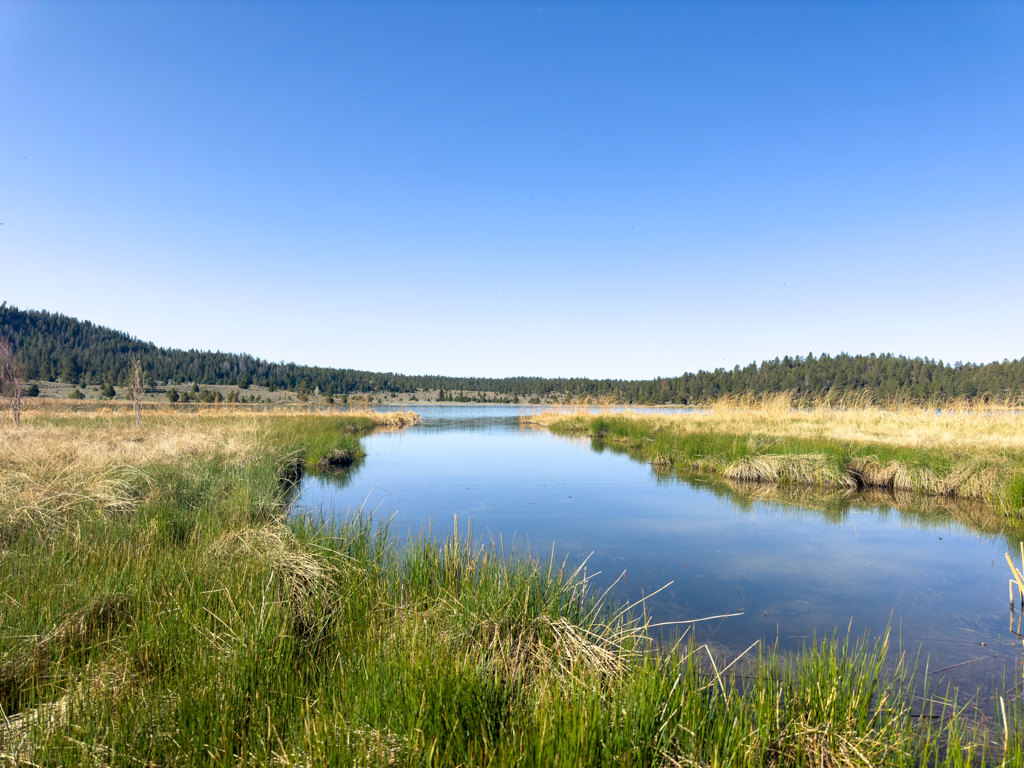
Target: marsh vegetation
(965, 450)
(161, 607)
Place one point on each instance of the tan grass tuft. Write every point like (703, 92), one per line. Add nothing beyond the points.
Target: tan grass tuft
(961, 428)
(81, 628)
(389, 419)
(979, 437)
(48, 473)
(375, 748)
(523, 650)
(110, 679)
(305, 582)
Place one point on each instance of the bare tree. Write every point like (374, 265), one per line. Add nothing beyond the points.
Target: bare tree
(10, 378)
(138, 390)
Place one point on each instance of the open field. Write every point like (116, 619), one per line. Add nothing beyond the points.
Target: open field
(161, 608)
(964, 450)
(157, 393)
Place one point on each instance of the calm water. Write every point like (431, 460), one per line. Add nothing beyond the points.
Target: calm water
(791, 572)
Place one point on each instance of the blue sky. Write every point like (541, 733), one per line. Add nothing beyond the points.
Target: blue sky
(509, 188)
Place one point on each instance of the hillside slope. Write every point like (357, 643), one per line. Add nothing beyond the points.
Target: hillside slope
(54, 347)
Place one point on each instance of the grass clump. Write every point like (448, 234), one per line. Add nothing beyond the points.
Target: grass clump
(965, 451)
(195, 623)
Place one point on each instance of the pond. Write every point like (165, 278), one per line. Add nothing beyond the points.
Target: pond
(784, 571)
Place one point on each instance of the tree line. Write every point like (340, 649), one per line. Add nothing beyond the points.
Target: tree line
(54, 347)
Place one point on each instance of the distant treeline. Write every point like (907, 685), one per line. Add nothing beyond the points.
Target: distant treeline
(54, 347)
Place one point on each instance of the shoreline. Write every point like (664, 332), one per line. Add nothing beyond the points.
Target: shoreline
(158, 579)
(911, 451)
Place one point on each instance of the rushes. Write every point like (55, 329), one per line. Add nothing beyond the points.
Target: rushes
(61, 464)
(186, 628)
(45, 480)
(387, 419)
(959, 428)
(50, 473)
(966, 450)
(525, 621)
(28, 665)
(305, 583)
(806, 469)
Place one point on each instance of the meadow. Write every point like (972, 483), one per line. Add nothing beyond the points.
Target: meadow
(961, 450)
(162, 607)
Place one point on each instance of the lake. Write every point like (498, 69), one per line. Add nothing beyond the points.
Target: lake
(784, 572)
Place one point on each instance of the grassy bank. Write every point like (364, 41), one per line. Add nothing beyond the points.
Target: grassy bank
(160, 609)
(968, 451)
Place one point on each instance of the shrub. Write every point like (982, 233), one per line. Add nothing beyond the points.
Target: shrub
(32, 390)
(108, 391)
(172, 395)
(77, 395)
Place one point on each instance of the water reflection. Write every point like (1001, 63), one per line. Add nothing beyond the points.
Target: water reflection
(829, 503)
(785, 563)
(341, 477)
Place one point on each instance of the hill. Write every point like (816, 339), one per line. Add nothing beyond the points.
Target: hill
(55, 347)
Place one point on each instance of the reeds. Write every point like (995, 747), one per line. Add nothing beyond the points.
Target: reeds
(966, 449)
(114, 410)
(962, 427)
(387, 419)
(59, 464)
(205, 626)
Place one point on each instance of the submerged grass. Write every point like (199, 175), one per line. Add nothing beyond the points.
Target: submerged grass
(964, 450)
(159, 608)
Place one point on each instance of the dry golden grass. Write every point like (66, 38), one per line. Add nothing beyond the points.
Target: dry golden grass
(121, 410)
(965, 449)
(556, 648)
(387, 419)
(162, 671)
(304, 581)
(47, 470)
(59, 461)
(961, 427)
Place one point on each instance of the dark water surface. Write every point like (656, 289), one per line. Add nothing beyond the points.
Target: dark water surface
(791, 571)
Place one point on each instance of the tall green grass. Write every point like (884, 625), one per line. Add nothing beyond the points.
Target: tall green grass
(997, 478)
(206, 628)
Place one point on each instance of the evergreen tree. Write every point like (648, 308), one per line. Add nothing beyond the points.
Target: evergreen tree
(52, 345)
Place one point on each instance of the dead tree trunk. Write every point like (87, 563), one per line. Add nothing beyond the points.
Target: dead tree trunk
(138, 390)
(10, 379)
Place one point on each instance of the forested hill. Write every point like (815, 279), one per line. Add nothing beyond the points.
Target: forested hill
(52, 347)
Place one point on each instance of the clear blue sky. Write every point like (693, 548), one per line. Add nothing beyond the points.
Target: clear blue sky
(506, 188)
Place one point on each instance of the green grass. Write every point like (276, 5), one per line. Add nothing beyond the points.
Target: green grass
(997, 478)
(202, 628)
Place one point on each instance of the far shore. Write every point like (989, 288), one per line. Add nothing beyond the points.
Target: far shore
(157, 393)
